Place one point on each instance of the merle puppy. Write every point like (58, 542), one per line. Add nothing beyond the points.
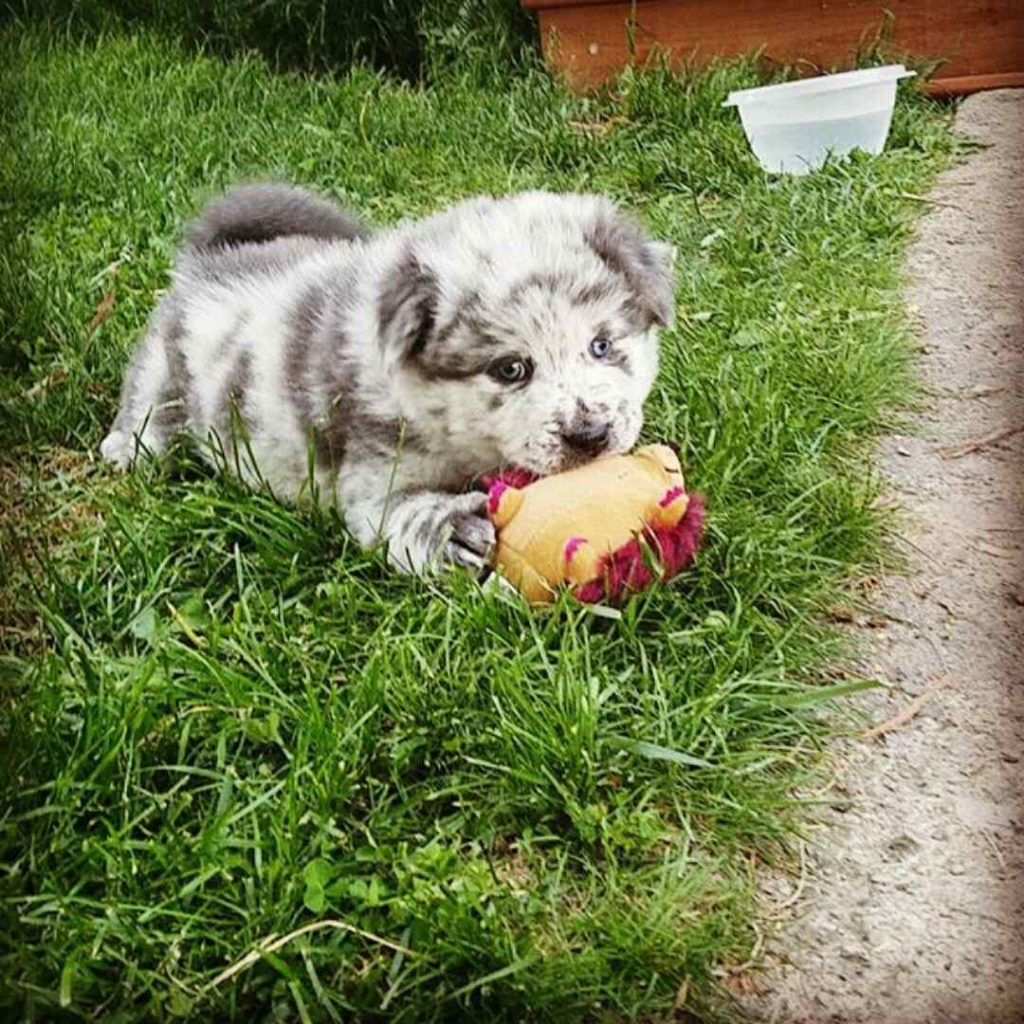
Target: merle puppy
(384, 372)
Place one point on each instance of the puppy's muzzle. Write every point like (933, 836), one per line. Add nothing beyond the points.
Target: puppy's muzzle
(589, 440)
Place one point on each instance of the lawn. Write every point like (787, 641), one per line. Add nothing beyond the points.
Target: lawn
(250, 774)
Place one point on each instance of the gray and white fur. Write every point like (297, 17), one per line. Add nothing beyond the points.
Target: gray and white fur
(385, 371)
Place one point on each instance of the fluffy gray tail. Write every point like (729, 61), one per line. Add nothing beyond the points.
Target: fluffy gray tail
(260, 213)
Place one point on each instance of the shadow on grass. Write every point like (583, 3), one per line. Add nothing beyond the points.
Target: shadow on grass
(400, 36)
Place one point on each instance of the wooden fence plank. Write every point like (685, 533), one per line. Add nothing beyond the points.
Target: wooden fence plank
(982, 41)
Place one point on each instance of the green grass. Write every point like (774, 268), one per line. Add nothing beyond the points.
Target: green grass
(221, 722)
(412, 38)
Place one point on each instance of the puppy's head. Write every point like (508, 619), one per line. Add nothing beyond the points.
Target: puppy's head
(525, 329)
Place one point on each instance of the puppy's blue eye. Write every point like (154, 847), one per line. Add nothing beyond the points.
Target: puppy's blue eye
(600, 347)
(511, 371)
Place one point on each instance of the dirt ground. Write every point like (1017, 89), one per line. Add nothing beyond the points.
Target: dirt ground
(911, 909)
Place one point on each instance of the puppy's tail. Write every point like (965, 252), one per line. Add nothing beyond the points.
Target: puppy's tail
(260, 213)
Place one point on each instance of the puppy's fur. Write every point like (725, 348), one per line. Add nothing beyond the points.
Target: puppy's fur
(388, 370)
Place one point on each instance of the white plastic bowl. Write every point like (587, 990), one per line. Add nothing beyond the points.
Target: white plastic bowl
(794, 127)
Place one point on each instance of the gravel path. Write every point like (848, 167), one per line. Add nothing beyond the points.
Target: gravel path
(913, 907)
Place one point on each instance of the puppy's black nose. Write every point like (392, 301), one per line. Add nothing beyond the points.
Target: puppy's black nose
(588, 440)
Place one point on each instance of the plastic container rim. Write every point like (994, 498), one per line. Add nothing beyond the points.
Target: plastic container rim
(819, 84)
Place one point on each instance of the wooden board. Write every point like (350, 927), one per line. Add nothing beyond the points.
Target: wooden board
(981, 40)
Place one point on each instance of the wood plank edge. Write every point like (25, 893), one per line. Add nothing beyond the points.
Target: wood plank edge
(965, 84)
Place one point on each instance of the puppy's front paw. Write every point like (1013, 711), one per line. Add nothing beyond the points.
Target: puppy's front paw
(119, 449)
(471, 538)
(429, 529)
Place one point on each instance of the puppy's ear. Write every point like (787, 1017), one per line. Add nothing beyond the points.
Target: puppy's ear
(407, 307)
(646, 265)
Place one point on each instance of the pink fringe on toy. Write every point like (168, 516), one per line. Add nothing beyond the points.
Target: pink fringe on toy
(513, 476)
(572, 545)
(626, 570)
(494, 493)
(670, 495)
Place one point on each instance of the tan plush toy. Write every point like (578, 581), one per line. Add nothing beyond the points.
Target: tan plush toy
(583, 528)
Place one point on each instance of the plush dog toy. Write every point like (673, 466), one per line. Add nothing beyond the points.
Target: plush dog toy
(587, 528)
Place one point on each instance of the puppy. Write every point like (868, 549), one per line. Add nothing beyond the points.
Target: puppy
(385, 372)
